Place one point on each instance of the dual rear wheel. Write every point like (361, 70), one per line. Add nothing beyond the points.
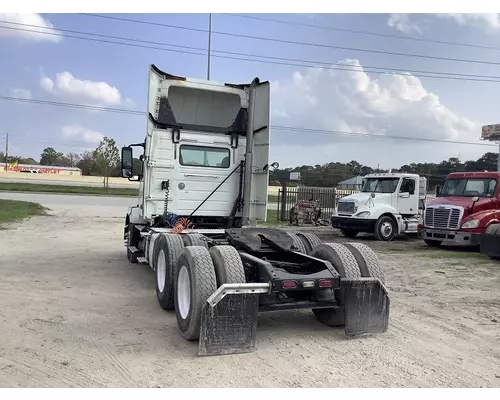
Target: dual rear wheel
(187, 275)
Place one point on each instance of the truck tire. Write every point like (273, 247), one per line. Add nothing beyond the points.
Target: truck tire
(298, 243)
(432, 243)
(346, 265)
(349, 233)
(228, 265)
(493, 229)
(310, 241)
(367, 260)
(167, 249)
(385, 229)
(194, 239)
(195, 283)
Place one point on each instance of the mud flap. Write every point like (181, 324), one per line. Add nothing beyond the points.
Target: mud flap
(366, 306)
(229, 319)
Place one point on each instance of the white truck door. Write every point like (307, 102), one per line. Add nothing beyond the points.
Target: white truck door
(260, 176)
(408, 197)
(160, 168)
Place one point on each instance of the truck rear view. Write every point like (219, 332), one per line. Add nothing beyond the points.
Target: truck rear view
(203, 186)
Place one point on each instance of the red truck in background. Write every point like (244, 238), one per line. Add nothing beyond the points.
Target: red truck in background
(465, 206)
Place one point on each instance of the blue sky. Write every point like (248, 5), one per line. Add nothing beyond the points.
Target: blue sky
(325, 99)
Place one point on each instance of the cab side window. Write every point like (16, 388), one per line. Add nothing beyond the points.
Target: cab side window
(407, 186)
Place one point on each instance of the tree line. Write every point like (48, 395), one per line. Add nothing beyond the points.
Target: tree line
(331, 174)
(104, 160)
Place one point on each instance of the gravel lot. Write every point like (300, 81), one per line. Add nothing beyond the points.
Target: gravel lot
(74, 312)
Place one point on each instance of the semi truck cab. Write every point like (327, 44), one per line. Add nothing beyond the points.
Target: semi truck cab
(387, 205)
(465, 206)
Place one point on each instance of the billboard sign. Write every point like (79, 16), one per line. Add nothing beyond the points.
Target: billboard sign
(490, 132)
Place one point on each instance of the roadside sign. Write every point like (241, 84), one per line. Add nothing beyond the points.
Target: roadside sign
(295, 176)
(490, 132)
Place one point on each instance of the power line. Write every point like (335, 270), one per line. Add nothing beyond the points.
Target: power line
(278, 127)
(385, 35)
(295, 42)
(347, 134)
(73, 105)
(311, 63)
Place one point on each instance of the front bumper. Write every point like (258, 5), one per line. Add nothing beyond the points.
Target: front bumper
(453, 237)
(353, 224)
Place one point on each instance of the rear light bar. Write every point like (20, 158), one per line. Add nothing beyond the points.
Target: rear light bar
(324, 283)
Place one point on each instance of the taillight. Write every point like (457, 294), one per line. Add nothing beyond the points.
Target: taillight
(308, 284)
(325, 283)
(289, 284)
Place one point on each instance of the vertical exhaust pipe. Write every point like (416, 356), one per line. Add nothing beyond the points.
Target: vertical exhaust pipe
(246, 220)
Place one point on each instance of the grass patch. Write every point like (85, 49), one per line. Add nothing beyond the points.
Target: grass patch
(272, 219)
(13, 210)
(33, 187)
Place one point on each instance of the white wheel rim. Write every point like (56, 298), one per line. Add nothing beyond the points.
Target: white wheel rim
(386, 229)
(161, 270)
(183, 292)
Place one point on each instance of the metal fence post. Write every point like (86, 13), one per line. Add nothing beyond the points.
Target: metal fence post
(283, 203)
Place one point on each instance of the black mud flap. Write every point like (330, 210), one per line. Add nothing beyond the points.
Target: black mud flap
(229, 319)
(366, 306)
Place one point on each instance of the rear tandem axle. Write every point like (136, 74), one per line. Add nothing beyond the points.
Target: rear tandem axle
(218, 283)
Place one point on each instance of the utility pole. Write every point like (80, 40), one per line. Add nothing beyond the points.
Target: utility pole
(209, 44)
(6, 149)
(498, 161)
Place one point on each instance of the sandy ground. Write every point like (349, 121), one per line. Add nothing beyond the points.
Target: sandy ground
(74, 312)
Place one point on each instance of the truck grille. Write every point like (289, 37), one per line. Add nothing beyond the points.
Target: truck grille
(346, 207)
(442, 217)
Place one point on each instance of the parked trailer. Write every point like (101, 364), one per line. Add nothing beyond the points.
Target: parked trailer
(203, 186)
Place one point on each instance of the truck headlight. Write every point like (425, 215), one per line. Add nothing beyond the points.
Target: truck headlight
(473, 223)
(363, 214)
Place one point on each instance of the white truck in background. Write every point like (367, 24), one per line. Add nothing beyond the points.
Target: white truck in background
(389, 204)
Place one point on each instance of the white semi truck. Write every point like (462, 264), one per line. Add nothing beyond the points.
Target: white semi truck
(203, 186)
(388, 204)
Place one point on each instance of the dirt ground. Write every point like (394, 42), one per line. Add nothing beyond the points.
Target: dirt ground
(75, 313)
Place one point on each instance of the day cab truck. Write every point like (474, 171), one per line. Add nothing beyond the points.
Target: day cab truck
(388, 205)
(464, 209)
(203, 188)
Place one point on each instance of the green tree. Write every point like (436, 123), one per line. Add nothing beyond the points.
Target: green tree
(50, 156)
(106, 156)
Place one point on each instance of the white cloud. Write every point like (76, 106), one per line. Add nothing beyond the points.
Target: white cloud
(88, 92)
(406, 22)
(402, 23)
(482, 21)
(29, 32)
(349, 101)
(77, 132)
(20, 93)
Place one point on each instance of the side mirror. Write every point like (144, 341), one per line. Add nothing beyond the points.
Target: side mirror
(127, 162)
(438, 190)
(475, 199)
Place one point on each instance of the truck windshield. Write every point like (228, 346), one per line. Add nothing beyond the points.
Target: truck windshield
(469, 187)
(380, 185)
